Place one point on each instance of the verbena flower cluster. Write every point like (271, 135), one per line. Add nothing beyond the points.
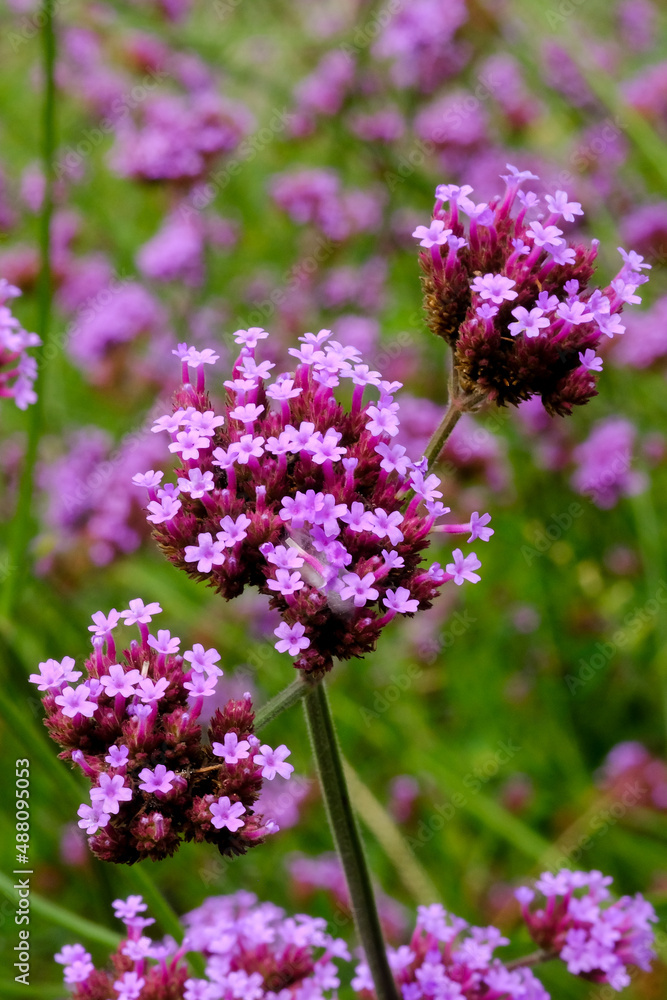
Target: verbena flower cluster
(511, 296)
(253, 951)
(131, 725)
(447, 959)
(18, 370)
(314, 503)
(597, 939)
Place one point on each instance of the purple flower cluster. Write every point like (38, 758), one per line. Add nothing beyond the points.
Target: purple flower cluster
(447, 959)
(605, 463)
(176, 138)
(596, 941)
(634, 778)
(286, 490)
(510, 295)
(253, 951)
(18, 370)
(131, 726)
(324, 872)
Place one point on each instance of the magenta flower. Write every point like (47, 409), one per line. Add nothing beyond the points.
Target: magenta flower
(140, 613)
(226, 814)
(206, 553)
(272, 762)
(231, 749)
(462, 568)
(74, 701)
(117, 681)
(292, 639)
(110, 792)
(400, 601)
(159, 781)
(433, 235)
(360, 589)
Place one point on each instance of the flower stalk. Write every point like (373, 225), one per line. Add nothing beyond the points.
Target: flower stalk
(347, 839)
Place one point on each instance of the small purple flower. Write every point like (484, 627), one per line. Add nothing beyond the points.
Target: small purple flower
(400, 601)
(206, 553)
(203, 660)
(110, 792)
(463, 569)
(227, 815)
(151, 690)
(272, 762)
(117, 756)
(559, 205)
(433, 235)
(104, 623)
(74, 701)
(494, 287)
(93, 818)
(53, 674)
(530, 323)
(165, 642)
(590, 361)
(478, 527)
(232, 749)
(119, 681)
(158, 781)
(360, 589)
(140, 613)
(292, 638)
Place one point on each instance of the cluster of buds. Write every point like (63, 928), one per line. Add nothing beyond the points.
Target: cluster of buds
(131, 726)
(285, 489)
(252, 951)
(18, 370)
(596, 942)
(511, 296)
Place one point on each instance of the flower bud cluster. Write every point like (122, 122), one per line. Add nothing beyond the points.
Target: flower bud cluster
(286, 489)
(252, 951)
(131, 726)
(511, 296)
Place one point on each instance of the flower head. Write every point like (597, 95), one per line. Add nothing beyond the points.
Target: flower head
(542, 338)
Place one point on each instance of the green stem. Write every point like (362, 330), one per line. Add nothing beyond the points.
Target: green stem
(347, 839)
(289, 696)
(452, 416)
(535, 958)
(19, 533)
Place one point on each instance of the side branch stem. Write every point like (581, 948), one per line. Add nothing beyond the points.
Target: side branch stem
(348, 839)
(535, 958)
(289, 696)
(442, 432)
